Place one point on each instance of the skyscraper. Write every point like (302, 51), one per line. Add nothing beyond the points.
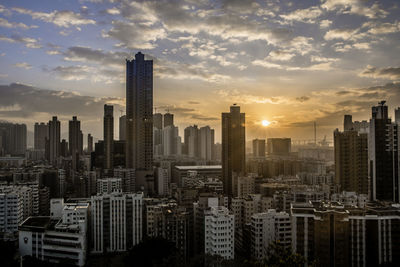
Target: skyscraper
(397, 115)
(108, 136)
(348, 123)
(41, 132)
(259, 148)
(351, 161)
(139, 119)
(168, 119)
(384, 155)
(233, 146)
(157, 121)
(206, 143)
(54, 139)
(89, 143)
(122, 128)
(75, 141)
(192, 141)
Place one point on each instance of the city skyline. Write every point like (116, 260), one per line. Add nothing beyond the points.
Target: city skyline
(288, 63)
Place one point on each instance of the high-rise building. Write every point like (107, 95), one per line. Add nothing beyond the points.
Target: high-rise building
(139, 120)
(397, 115)
(348, 123)
(351, 161)
(259, 148)
(269, 227)
(233, 146)
(75, 141)
(279, 146)
(13, 138)
(127, 177)
(192, 141)
(108, 135)
(89, 143)
(206, 143)
(219, 232)
(41, 132)
(384, 155)
(54, 140)
(122, 128)
(168, 119)
(116, 221)
(171, 141)
(12, 210)
(157, 120)
(109, 185)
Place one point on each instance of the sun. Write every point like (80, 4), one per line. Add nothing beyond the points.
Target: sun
(265, 123)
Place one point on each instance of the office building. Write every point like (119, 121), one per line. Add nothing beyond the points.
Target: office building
(122, 128)
(116, 221)
(219, 237)
(41, 132)
(259, 148)
(89, 143)
(75, 141)
(139, 113)
(54, 140)
(233, 146)
(157, 121)
(279, 146)
(108, 135)
(57, 238)
(267, 228)
(168, 119)
(351, 161)
(191, 146)
(384, 155)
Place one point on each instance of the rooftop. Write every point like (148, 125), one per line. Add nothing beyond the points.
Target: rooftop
(201, 167)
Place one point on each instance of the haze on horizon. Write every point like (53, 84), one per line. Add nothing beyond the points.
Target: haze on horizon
(287, 62)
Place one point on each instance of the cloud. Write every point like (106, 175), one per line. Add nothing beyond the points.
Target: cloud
(23, 65)
(357, 7)
(307, 15)
(280, 55)
(62, 18)
(377, 28)
(325, 23)
(7, 24)
(53, 52)
(392, 73)
(29, 42)
(323, 59)
(98, 56)
(344, 34)
(134, 35)
(303, 98)
(36, 102)
(85, 72)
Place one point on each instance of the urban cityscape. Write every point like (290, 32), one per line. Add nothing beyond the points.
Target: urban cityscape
(140, 160)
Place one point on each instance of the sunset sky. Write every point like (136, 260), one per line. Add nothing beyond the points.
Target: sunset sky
(288, 62)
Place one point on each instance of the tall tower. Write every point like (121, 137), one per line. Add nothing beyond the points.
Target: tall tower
(89, 143)
(122, 128)
(351, 161)
(54, 139)
(168, 119)
(108, 136)
(206, 143)
(41, 132)
(384, 155)
(348, 123)
(157, 121)
(75, 141)
(397, 115)
(139, 117)
(233, 146)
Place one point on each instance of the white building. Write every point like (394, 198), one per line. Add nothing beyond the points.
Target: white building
(108, 185)
(116, 221)
(55, 239)
(11, 210)
(219, 232)
(269, 227)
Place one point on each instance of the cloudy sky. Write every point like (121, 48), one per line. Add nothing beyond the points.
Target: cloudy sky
(288, 62)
